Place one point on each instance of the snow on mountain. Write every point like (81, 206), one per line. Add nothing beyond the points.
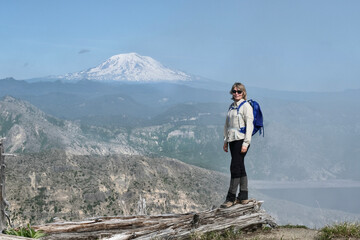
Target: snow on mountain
(129, 67)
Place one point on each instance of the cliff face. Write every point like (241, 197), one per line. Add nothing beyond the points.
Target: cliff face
(56, 184)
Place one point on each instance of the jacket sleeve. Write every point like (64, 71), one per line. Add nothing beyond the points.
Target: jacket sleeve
(226, 126)
(248, 119)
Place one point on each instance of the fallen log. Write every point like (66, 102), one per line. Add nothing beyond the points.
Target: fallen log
(11, 237)
(169, 226)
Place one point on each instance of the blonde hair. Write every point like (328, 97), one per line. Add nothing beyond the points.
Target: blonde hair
(241, 87)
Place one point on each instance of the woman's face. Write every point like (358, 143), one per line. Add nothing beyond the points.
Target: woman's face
(237, 94)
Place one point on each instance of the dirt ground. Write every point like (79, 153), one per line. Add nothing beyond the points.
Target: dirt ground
(281, 233)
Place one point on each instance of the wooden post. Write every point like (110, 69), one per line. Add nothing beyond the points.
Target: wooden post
(3, 202)
(2, 188)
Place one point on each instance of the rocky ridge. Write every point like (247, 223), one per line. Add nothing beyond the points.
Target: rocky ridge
(28, 129)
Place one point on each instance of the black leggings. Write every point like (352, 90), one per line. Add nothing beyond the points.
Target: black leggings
(237, 167)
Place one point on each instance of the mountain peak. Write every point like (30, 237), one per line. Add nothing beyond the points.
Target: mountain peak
(129, 67)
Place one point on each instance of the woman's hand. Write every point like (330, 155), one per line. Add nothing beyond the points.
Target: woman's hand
(225, 147)
(243, 149)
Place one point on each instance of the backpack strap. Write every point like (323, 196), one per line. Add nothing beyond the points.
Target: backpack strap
(243, 129)
(237, 108)
(240, 107)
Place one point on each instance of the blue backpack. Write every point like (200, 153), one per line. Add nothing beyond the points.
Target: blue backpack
(258, 117)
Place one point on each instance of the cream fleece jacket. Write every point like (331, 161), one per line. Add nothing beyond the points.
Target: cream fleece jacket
(234, 122)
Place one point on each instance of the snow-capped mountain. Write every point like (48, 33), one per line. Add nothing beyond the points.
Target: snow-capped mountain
(129, 67)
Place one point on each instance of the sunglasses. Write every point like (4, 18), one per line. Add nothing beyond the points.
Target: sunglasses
(236, 91)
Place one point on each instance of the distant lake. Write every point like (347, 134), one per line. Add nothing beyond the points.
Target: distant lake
(344, 199)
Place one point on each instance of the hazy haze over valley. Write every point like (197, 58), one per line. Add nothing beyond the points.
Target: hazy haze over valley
(123, 120)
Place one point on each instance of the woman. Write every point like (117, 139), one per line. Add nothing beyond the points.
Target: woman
(237, 133)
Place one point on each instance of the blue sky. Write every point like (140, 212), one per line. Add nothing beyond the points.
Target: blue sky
(301, 45)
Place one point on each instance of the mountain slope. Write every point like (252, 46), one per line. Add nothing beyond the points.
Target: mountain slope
(28, 129)
(129, 67)
(72, 187)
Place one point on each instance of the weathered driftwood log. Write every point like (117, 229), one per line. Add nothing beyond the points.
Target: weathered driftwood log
(170, 226)
(11, 237)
